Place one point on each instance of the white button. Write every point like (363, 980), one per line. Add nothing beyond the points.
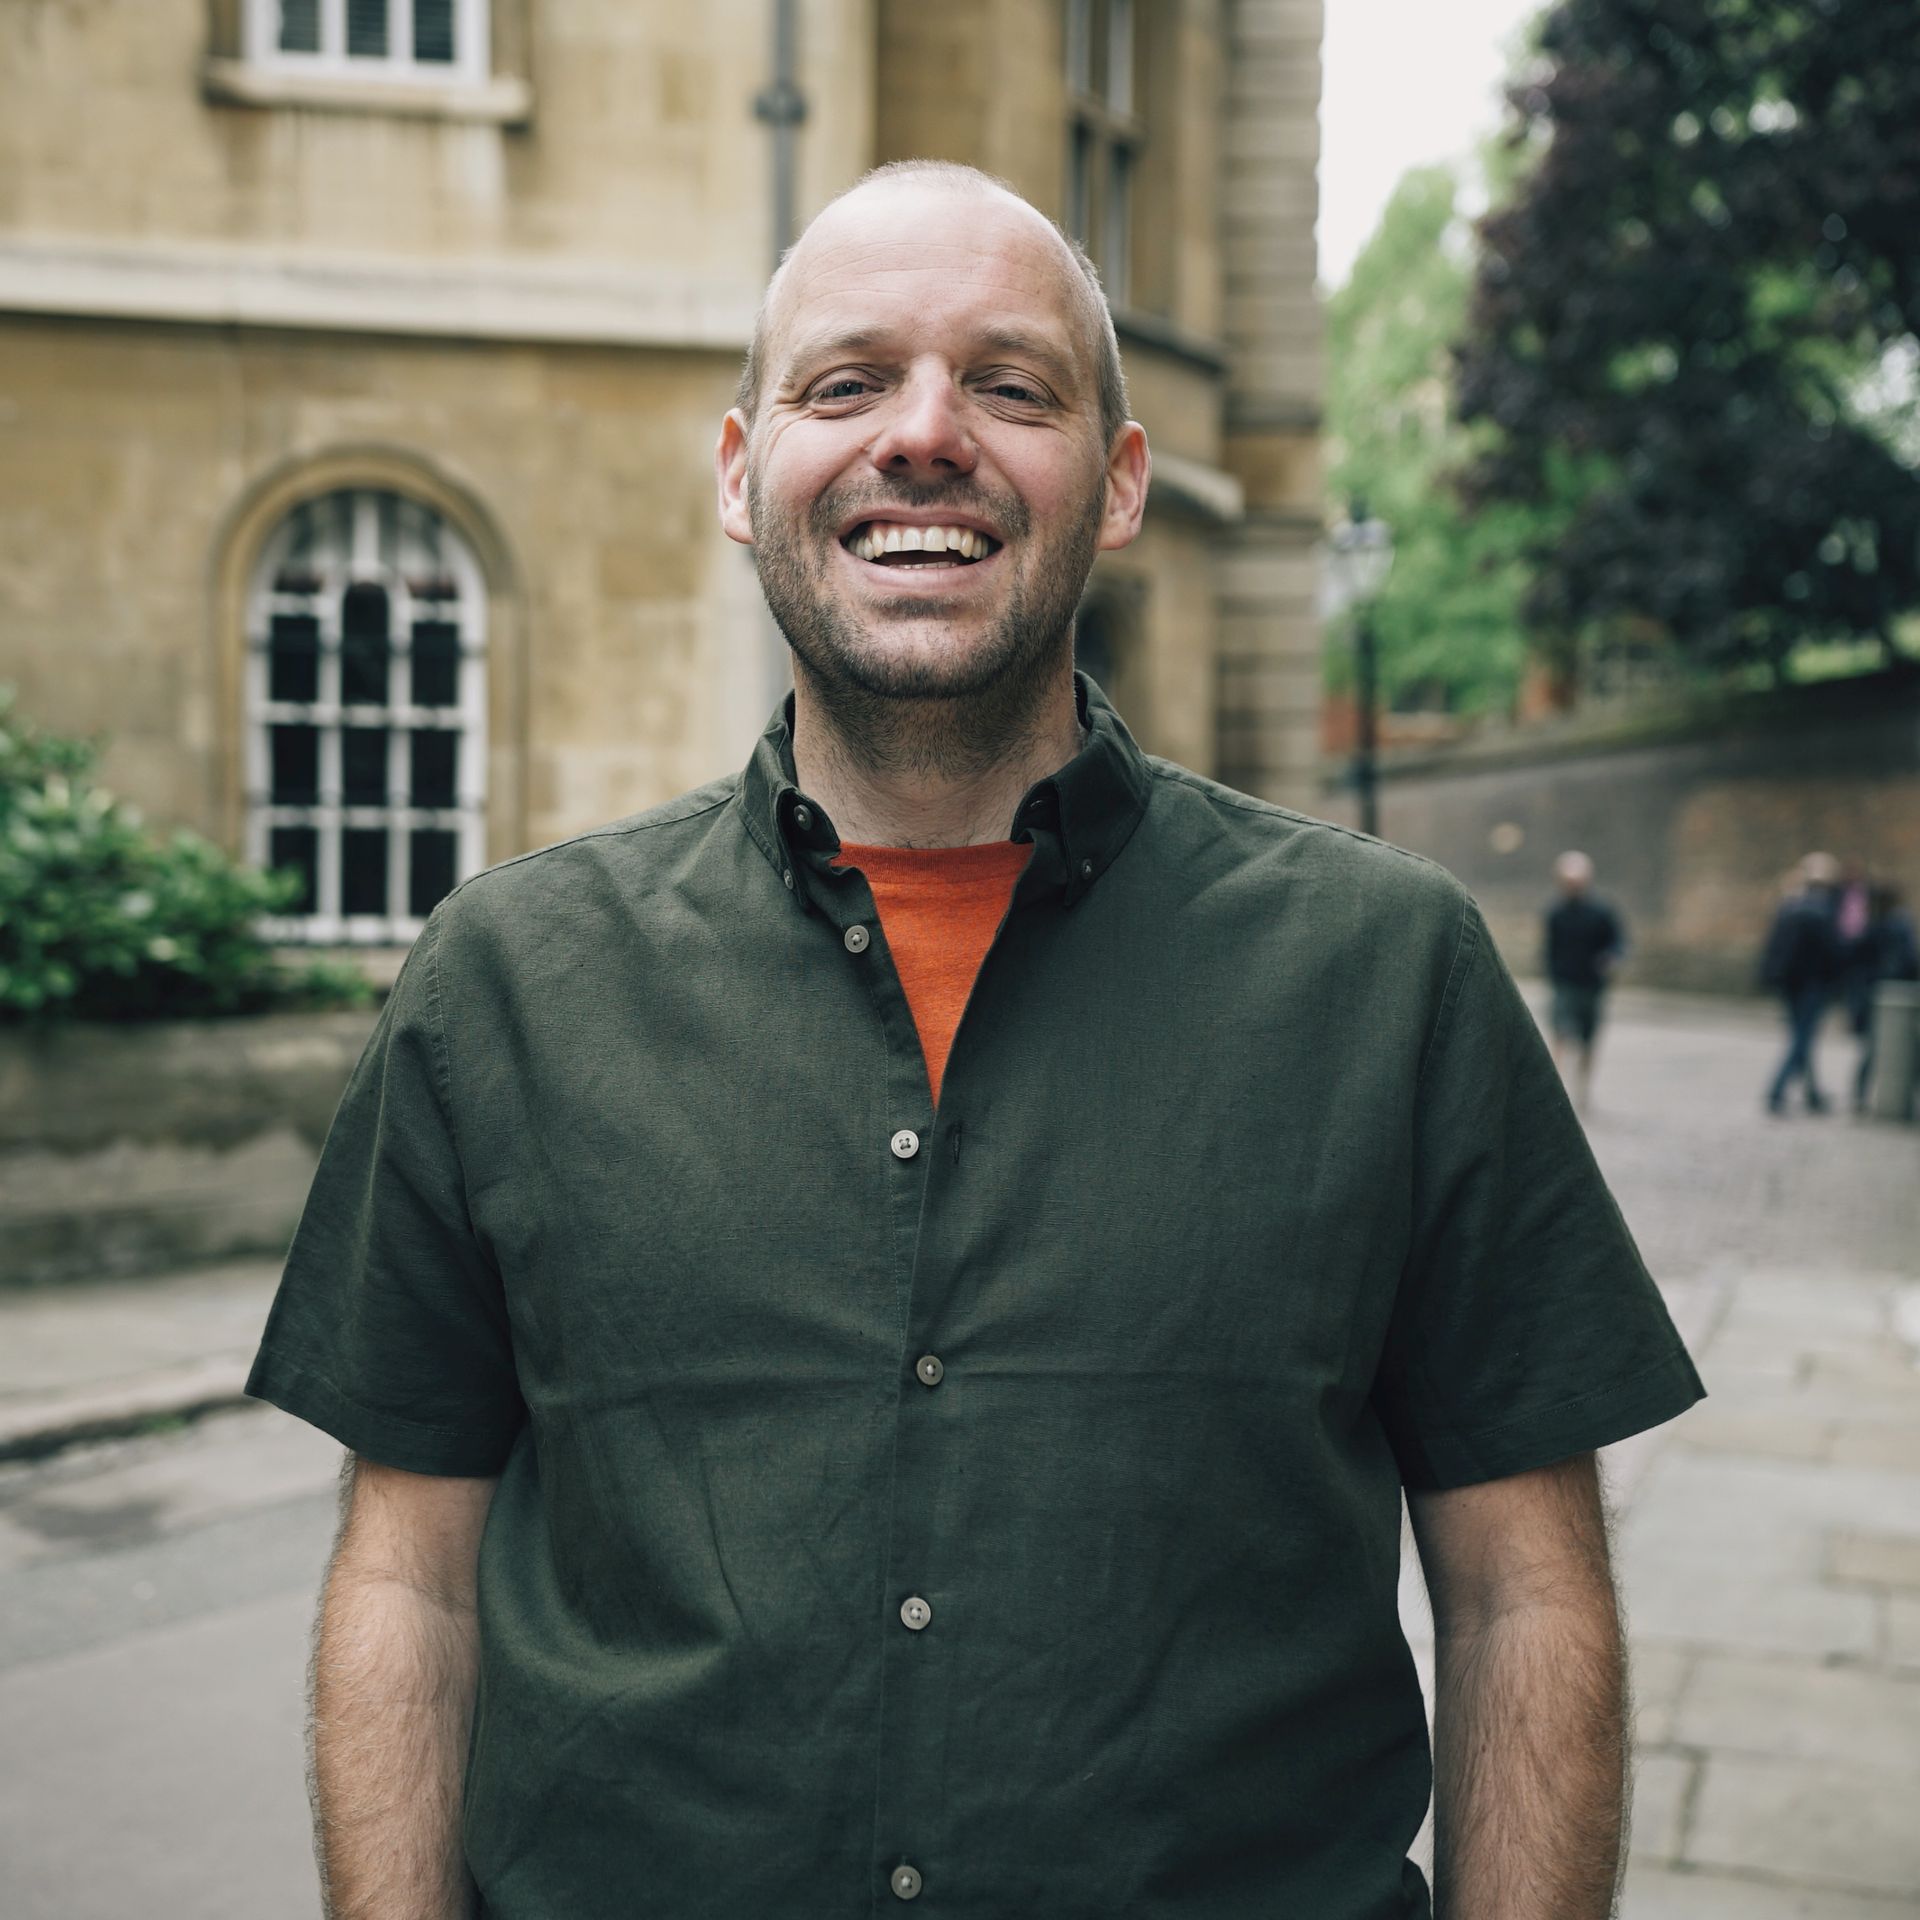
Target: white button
(914, 1613)
(905, 1882)
(929, 1369)
(905, 1144)
(856, 939)
(788, 876)
(803, 818)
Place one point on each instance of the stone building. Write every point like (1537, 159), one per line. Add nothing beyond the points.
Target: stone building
(361, 362)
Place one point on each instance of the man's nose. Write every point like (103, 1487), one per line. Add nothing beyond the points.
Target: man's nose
(925, 430)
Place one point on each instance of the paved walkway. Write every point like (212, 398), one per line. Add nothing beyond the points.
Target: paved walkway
(1769, 1542)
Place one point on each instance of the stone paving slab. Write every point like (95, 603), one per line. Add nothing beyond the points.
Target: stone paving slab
(1850, 1828)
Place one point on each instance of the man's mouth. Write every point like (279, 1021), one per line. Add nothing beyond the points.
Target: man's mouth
(890, 543)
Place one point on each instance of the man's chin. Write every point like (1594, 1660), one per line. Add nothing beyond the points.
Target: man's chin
(918, 659)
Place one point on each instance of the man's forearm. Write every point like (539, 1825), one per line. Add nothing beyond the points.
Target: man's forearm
(393, 1682)
(1530, 1758)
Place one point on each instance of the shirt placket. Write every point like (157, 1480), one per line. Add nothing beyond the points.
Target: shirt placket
(921, 1631)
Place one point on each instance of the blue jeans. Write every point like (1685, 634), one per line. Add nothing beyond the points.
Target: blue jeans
(1804, 1009)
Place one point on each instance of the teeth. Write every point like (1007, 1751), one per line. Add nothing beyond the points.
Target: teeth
(874, 540)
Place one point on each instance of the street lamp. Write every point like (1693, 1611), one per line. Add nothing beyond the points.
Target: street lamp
(1357, 557)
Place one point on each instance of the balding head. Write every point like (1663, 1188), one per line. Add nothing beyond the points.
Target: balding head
(925, 184)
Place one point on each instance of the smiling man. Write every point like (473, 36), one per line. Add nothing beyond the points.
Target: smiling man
(883, 1311)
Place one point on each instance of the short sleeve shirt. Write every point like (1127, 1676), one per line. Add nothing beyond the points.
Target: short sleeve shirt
(996, 1508)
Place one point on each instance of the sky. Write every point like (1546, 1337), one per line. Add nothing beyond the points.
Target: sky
(1406, 82)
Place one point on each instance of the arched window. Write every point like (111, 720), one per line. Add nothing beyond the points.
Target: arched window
(366, 711)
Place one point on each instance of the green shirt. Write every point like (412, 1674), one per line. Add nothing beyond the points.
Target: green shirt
(998, 1508)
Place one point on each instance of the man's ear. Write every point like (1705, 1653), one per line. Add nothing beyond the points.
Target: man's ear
(730, 472)
(1129, 471)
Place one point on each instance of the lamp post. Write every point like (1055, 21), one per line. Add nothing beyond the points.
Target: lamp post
(1357, 559)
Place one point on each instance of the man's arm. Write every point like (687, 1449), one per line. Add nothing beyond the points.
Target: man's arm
(1530, 1734)
(395, 1659)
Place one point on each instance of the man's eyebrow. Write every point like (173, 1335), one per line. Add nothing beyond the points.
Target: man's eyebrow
(811, 351)
(1016, 342)
(1019, 344)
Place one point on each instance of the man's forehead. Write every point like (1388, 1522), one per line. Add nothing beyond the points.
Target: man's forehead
(892, 260)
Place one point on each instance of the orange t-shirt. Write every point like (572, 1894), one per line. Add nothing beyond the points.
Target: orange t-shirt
(940, 908)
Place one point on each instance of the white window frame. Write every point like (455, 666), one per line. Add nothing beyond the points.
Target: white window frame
(471, 45)
(337, 569)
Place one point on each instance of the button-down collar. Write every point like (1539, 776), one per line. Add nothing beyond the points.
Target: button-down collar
(1079, 817)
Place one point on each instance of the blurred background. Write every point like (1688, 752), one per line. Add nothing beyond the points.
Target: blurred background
(1535, 404)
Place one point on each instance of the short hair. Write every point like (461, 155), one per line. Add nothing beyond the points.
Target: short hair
(1110, 380)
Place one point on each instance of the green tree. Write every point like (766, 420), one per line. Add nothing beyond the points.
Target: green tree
(1701, 297)
(1448, 621)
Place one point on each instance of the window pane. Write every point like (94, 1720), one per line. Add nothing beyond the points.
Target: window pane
(299, 26)
(433, 29)
(1078, 33)
(430, 876)
(363, 870)
(435, 756)
(1120, 57)
(293, 657)
(299, 848)
(296, 766)
(367, 29)
(363, 766)
(1114, 263)
(1080, 183)
(363, 647)
(436, 663)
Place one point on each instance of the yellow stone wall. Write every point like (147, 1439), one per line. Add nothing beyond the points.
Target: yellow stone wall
(627, 662)
(530, 317)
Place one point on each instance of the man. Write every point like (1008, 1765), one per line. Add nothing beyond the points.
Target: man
(883, 1309)
(1584, 942)
(1802, 962)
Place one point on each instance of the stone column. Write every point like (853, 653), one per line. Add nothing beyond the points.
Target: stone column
(1268, 691)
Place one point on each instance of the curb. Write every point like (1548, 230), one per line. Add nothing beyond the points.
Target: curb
(32, 1429)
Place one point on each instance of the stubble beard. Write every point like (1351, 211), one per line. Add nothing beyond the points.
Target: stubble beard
(953, 712)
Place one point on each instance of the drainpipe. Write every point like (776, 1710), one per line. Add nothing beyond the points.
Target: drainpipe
(783, 107)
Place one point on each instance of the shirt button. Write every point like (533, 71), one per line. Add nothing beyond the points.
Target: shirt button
(906, 1882)
(788, 877)
(914, 1613)
(803, 818)
(855, 939)
(1086, 869)
(905, 1144)
(929, 1369)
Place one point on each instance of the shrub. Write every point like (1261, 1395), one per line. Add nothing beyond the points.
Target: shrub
(101, 919)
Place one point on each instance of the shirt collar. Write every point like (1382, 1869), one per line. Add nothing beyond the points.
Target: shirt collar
(1078, 818)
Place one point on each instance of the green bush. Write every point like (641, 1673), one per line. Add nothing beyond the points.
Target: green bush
(100, 919)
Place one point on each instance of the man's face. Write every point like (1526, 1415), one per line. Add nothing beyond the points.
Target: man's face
(925, 485)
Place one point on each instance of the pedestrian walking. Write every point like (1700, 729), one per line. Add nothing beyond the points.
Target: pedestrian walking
(1887, 949)
(1585, 940)
(816, 1447)
(1802, 962)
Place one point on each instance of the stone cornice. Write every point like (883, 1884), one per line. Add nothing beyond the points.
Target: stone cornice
(454, 299)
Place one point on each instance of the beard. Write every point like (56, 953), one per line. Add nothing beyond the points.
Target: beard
(949, 710)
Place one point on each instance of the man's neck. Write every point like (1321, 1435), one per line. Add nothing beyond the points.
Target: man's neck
(931, 779)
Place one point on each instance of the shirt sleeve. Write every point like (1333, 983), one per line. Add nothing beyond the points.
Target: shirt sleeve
(1526, 1328)
(389, 1330)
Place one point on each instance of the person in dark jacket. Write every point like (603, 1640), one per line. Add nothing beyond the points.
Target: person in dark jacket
(1585, 939)
(1802, 962)
(1887, 950)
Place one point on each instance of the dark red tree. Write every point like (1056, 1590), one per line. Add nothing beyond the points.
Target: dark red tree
(1693, 316)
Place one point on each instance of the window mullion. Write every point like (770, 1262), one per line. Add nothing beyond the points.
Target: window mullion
(333, 30)
(400, 33)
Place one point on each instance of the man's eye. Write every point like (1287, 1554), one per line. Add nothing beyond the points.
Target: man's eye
(1016, 390)
(847, 389)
